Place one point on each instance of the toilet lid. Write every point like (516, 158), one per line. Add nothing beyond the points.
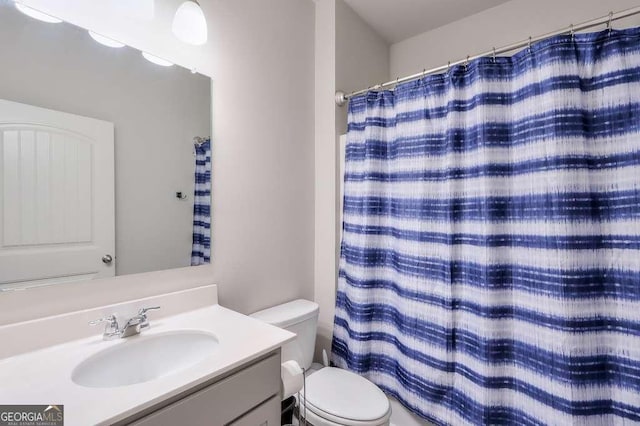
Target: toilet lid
(346, 395)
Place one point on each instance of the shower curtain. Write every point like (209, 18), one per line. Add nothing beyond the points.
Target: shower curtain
(201, 248)
(490, 260)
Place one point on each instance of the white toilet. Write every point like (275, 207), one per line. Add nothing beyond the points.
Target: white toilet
(334, 397)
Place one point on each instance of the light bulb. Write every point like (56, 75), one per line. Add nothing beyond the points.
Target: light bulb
(106, 41)
(189, 24)
(156, 60)
(36, 14)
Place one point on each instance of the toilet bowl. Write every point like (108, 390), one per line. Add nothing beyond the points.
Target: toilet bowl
(333, 397)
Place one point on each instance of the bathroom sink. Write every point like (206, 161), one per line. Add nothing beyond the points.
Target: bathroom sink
(143, 358)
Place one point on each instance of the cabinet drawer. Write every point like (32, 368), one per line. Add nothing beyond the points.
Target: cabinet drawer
(267, 414)
(223, 401)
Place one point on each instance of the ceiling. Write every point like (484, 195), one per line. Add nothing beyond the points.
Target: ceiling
(397, 20)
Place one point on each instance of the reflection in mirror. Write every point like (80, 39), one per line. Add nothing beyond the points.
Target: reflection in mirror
(104, 157)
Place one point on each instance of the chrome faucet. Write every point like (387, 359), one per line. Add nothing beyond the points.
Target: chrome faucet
(133, 326)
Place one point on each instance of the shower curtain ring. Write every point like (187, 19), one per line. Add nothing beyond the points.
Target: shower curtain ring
(529, 44)
(494, 55)
(448, 66)
(609, 22)
(466, 63)
(573, 34)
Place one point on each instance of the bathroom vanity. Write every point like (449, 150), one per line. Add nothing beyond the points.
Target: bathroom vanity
(203, 366)
(248, 397)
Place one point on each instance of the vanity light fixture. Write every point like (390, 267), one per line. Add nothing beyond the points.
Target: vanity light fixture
(156, 60)
(106, 41)
(189, 23)
(36, 14)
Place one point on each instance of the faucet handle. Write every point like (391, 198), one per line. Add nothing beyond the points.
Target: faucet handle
(143, 311)
(111, 319)
(111, 328)
(142, 315)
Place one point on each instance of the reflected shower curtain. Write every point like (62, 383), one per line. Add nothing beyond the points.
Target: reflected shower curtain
(490, 261)
(201, 249)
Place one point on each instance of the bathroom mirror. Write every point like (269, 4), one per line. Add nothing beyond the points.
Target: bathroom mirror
(97, 155)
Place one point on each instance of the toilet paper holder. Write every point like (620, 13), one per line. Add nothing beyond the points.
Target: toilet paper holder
(293, 379)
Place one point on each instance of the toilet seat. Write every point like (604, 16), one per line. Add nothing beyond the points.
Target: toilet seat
(325, 419)
(339, 397)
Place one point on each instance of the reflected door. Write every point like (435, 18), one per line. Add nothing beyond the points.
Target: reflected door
(57, 220)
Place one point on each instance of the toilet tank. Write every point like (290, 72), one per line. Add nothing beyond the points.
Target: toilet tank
(299, 317)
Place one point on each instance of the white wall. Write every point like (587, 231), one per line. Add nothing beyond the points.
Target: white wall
(263, 169)
(261, 55)
(504, 24)
(362, 57)
(349, 55)
(325, 171)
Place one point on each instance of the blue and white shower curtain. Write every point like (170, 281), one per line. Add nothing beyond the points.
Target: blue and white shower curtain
(490, 261)
(201, 249)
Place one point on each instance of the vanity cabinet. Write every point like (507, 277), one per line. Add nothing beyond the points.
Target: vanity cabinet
(265, 415)
(250, 396)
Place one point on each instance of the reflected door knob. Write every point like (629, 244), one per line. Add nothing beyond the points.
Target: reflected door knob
(107, 259)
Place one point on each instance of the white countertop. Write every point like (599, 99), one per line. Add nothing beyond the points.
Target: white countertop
(44, 376)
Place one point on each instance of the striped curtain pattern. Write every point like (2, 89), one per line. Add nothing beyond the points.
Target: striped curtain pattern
(490, 260)
(201, 250)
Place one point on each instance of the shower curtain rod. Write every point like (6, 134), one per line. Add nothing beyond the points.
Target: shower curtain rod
(342, 98)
